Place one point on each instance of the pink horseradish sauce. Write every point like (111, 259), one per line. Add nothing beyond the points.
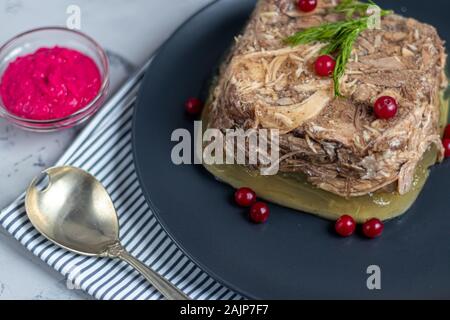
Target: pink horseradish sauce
(49, 84)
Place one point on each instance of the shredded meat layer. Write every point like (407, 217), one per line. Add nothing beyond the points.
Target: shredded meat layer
(337, 142)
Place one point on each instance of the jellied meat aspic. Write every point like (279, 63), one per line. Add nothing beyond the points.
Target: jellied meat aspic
(338, 143)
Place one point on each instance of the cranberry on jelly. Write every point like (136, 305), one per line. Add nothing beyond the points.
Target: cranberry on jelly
(324, 66)
(307, 5)
(386, 107)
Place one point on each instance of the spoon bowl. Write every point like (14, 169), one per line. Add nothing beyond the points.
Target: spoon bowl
(72, 209)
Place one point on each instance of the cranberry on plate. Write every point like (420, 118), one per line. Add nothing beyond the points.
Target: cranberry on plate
(373, 228)
(193, 106)
(446, 143)
(345, 226)
(245, 197)
(447, 132)
(259, 212)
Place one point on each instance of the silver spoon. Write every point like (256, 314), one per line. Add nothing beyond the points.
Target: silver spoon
(75, 212)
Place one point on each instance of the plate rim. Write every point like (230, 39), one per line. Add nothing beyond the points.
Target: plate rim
(137, 166)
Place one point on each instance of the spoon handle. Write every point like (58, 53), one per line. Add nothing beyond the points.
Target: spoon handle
(168, 290)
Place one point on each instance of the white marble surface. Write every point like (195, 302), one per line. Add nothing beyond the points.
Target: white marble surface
(130, 30)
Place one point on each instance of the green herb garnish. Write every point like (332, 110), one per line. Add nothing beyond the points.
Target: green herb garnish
(340, 36)
(353, 7)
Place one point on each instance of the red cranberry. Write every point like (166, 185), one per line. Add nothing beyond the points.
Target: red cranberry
(259, 212)
(385, 107)
(345, 226)
(245, 197)
(447, 132)
(193, 106)
(373, 228)
(306, 5)
(446, 143)
(325, 66)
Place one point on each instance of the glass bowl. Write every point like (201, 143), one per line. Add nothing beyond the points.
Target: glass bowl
(29, 42)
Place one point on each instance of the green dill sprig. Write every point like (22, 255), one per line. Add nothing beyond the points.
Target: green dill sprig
(344, 43)
(352, 8)
(340, 36)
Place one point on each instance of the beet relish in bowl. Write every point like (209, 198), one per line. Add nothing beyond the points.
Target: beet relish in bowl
(52, 78)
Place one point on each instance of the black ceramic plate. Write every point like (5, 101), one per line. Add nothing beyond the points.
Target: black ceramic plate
(294, 255)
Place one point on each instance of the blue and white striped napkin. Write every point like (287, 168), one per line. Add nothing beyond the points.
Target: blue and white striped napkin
(104, 149)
